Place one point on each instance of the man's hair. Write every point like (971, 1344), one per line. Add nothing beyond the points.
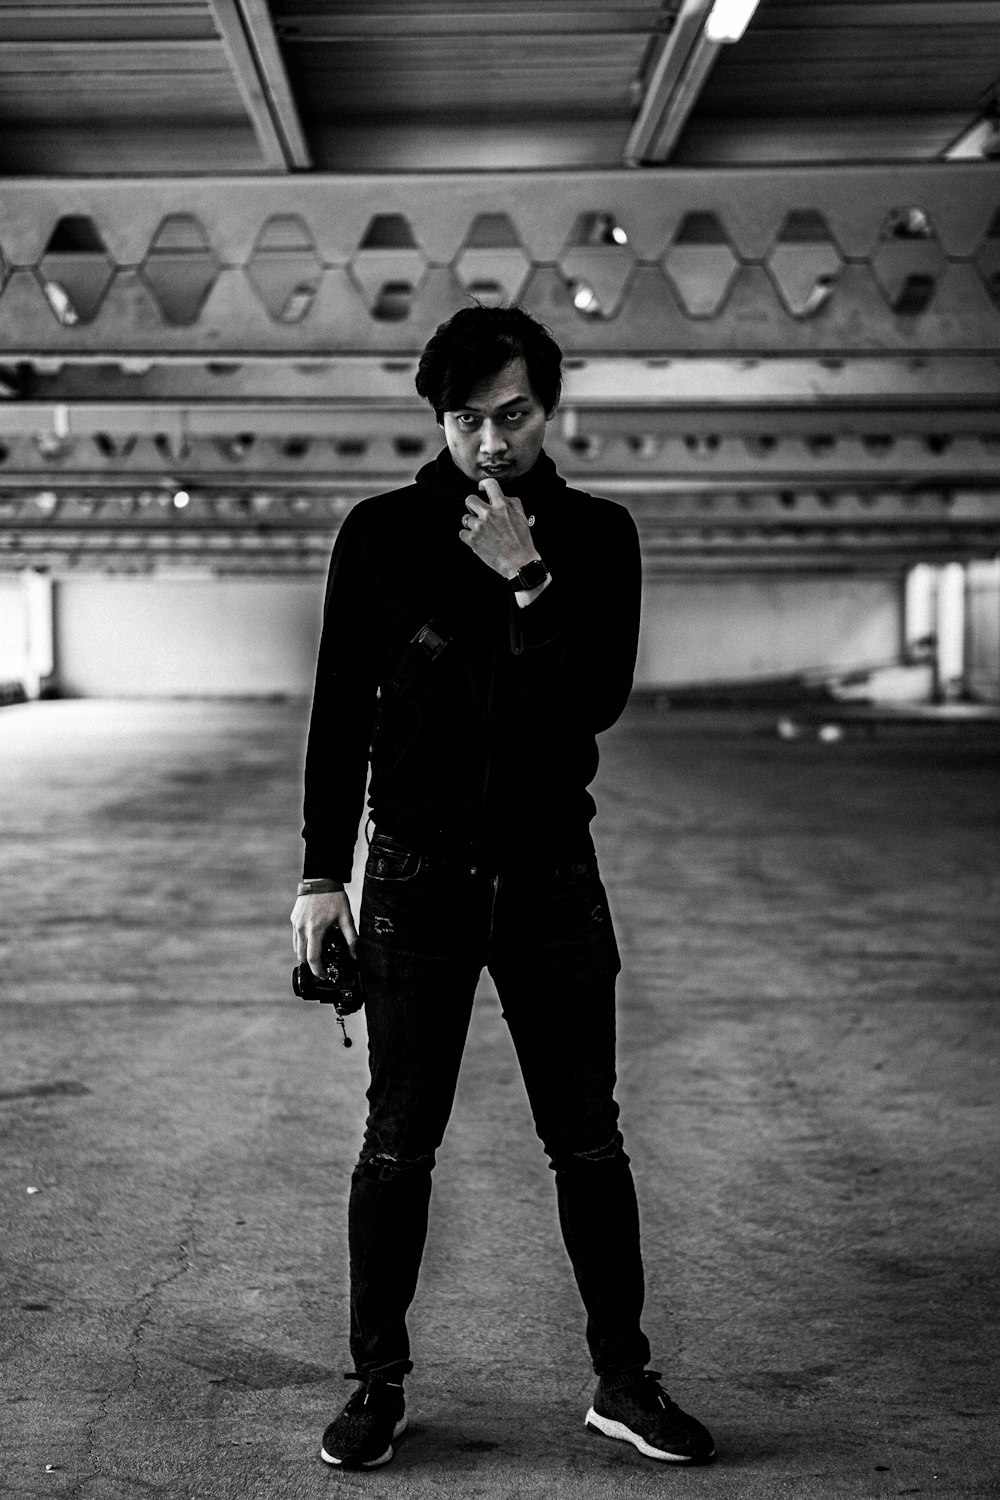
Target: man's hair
(475, 343)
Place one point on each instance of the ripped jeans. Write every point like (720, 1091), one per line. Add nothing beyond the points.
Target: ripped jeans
(428, 926)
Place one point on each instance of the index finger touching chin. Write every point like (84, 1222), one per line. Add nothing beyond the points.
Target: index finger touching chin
(491, 489)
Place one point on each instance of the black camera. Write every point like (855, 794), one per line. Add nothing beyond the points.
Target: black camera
(341, 985)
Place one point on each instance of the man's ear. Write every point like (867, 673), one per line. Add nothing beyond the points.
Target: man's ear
(550, 414)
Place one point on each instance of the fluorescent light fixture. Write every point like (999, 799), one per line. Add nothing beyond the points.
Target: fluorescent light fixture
(981, 141)
(729, 19)
(584, 297)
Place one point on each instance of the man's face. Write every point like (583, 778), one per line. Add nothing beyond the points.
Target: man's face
(499, 431)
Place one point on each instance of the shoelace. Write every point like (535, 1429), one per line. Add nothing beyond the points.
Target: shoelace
(367, 1383)
(648, 1386)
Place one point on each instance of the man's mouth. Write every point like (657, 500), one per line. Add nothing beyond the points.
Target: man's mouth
(494, 468)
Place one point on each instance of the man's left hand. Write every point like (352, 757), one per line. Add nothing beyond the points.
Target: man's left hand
(497, 530)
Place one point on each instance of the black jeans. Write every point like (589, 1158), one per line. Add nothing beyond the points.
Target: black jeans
(428, 926)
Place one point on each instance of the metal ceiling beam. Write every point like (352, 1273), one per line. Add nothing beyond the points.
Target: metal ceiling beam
(930, 393)
(875, 13)
(260, 30)
(865, 261)
(508, 21)
(260, 536)
(252, 49)
(372, 464)
(678, 71)
(110, 445)
(138, 511)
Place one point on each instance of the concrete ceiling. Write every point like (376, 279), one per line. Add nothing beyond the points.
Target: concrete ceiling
(187, 86)
(792, 353)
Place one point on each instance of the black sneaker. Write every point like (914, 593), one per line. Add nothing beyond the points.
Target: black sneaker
(643, 1414)
(362, 1436)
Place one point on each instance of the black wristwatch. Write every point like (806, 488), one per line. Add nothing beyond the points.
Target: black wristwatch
(530, 576)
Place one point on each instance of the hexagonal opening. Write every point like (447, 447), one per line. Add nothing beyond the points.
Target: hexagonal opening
(408, 446)
(702, 444)
(237, 446)
(394, 301)
(389, 267)
(586, 445)
(76, 270)
(389, 232)
(701, 265)
(908, 260)
(597, 263)
(820, 444)
(700, 229)
(492, 265)
(988, 260)
(598, 228)
(284, 268)
(804, 263)
(180, 269)
(53, 446)
(913, 223)
(111, 445)
(483, 289)
(492, 232)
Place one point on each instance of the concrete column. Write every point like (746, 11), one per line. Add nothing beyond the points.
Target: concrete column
(39, 658)
(951, 631)
(919, 612)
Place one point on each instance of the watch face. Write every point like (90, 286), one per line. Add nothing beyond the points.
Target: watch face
(532, 574)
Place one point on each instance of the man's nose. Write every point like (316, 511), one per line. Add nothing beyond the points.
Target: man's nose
(491, 439)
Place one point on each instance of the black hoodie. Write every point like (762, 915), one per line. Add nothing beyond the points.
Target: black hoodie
(487, 748)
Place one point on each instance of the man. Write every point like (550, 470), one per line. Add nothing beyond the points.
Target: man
(480, 630)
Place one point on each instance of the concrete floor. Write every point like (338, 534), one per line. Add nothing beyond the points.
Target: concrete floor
(809, 1082)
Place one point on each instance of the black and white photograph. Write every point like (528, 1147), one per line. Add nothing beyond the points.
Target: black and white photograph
(499, 749)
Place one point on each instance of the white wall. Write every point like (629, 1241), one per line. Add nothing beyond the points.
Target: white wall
(25, 631)
(13, 629)
(163, 637)
(739, 628)
(983, 627)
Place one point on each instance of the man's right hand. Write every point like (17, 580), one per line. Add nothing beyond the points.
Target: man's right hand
(312, 916)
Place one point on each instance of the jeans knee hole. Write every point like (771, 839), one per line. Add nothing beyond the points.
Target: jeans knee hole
(382, 1166)
(609, 1151)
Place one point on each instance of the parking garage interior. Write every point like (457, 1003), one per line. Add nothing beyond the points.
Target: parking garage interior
(771, 255)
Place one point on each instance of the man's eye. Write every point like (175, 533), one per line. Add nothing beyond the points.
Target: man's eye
(465, 419)
(515, 416)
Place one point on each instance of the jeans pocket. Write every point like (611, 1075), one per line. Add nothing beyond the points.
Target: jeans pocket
(391, 862)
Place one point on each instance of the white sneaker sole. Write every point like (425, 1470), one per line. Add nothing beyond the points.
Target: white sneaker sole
(371, 1463)
(608, 1428)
